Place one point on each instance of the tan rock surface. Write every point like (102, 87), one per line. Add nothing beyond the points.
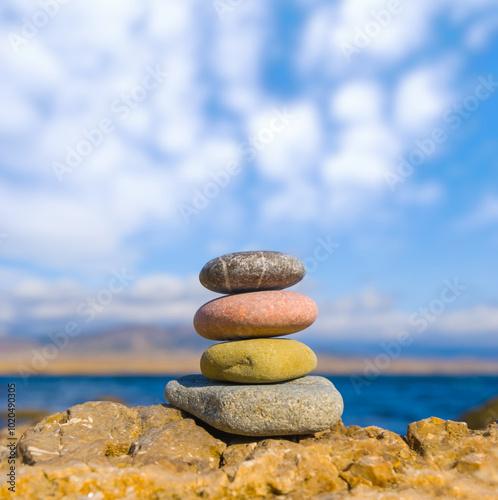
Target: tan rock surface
(103, 450)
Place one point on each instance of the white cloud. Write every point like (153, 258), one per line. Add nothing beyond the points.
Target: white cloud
(366, 145)
(386, 28)
(356, 167)
(171, 20)
(16, 116)
(371, 315)
(358, 101)
(294, 145)
(236, 51)
(55, 230)
(315, 43)
(480, 319)
(484, 214)
(377, 34)
(367, 299)
(422, 96)
(481, 33)
(38, 305)
(37, 289)
(159, 287)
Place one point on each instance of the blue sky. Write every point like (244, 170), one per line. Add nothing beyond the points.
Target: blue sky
(303, 108)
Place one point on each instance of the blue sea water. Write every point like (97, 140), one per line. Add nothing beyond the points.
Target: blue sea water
(391, 402)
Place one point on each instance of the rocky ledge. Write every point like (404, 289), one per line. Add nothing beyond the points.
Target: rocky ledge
(104, 450)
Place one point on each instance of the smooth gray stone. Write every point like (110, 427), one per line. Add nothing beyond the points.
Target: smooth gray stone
(302, 406)
(252, 271)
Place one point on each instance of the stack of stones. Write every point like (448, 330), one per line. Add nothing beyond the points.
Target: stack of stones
(252, 383)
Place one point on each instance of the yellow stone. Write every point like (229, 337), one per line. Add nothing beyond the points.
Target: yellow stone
(258, 361)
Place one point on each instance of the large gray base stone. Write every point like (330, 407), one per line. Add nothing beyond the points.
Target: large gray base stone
(302, 406)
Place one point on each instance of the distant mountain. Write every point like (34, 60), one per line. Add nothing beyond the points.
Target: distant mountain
(10, 344)
(140, 339)
(117, 340)
(432, 344)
